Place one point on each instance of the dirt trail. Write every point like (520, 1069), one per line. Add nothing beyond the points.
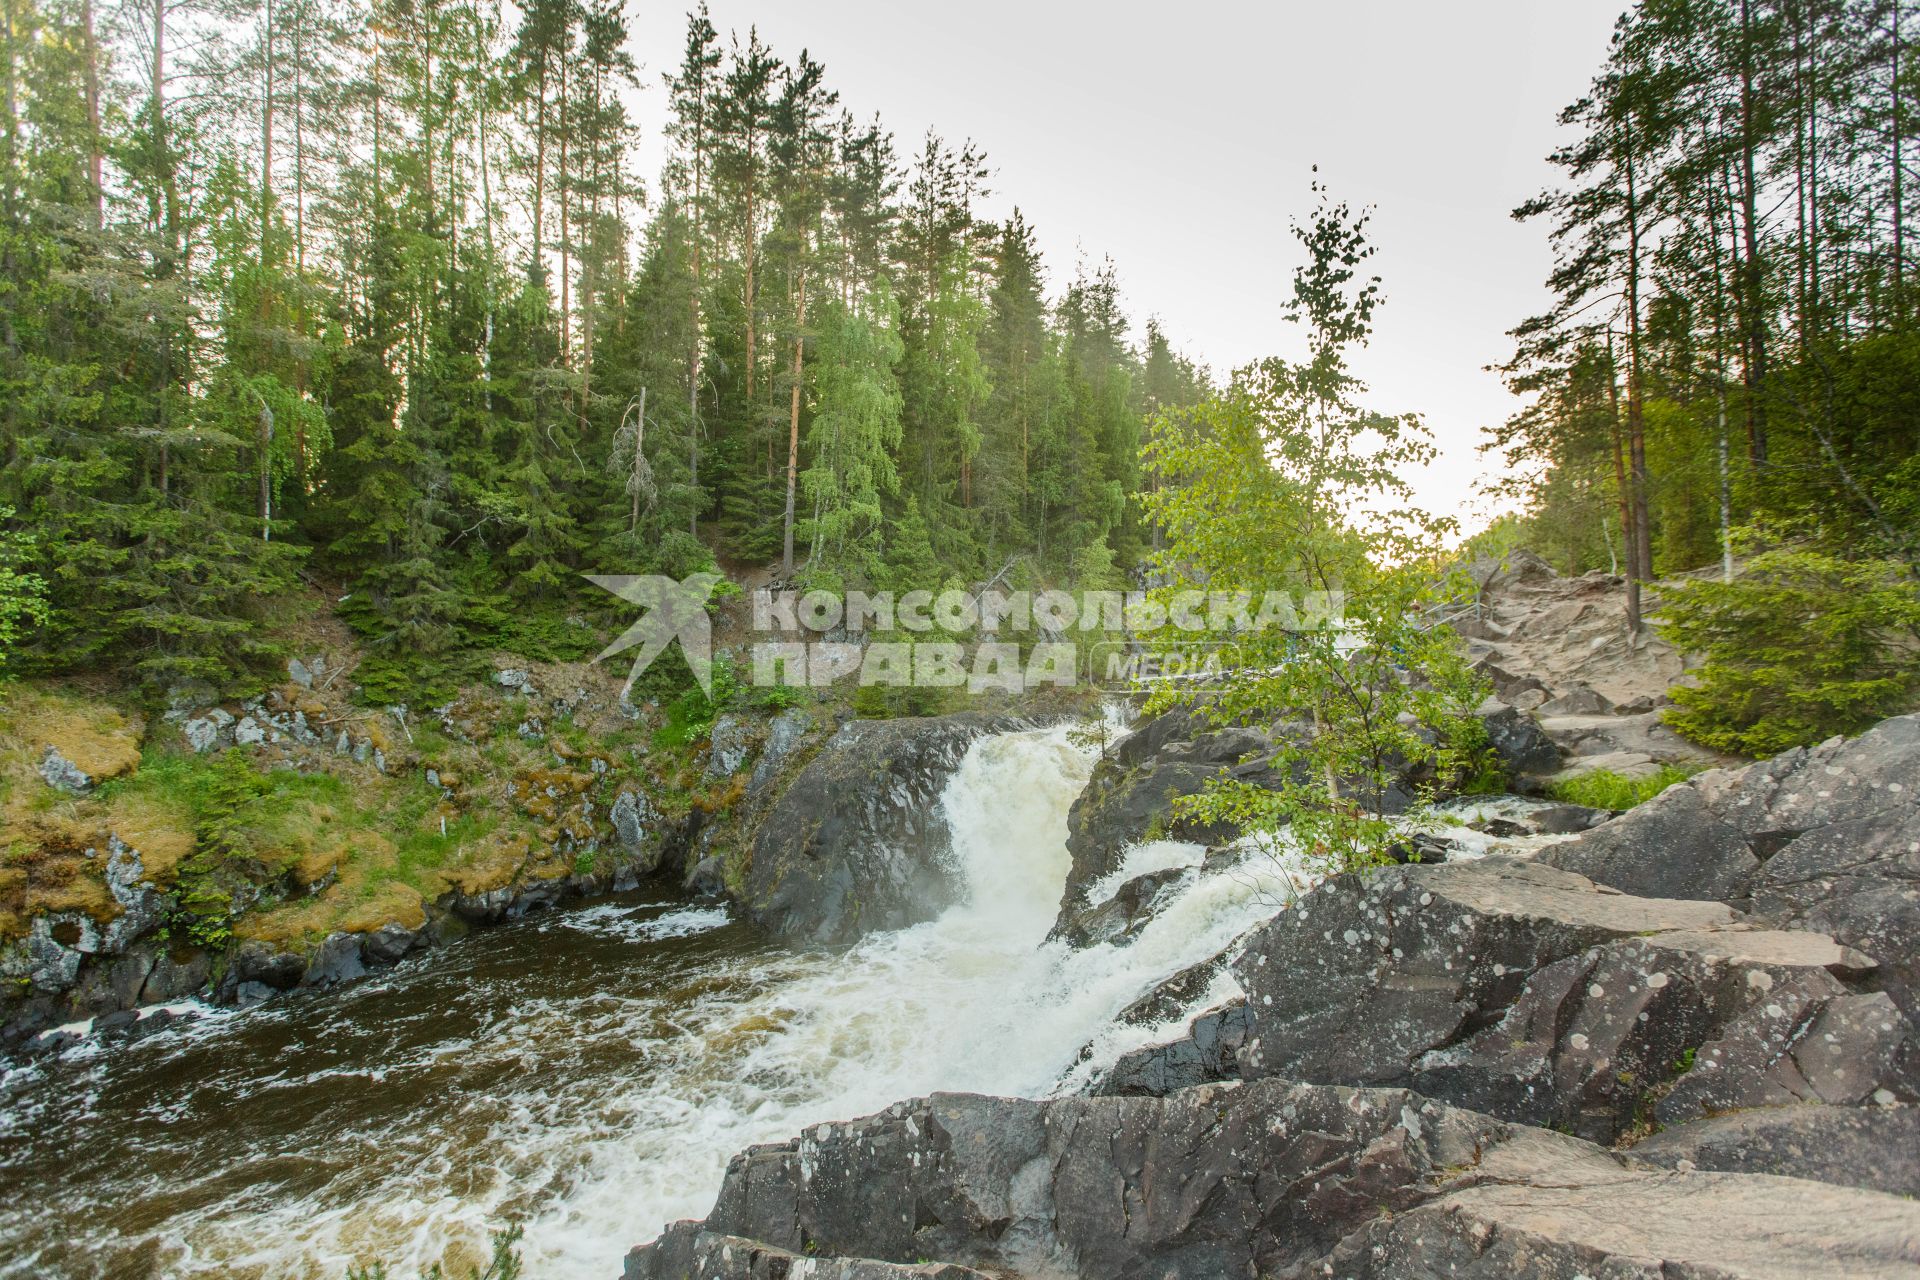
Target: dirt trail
(1559, 647)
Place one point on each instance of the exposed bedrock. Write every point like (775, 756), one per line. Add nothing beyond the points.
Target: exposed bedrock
(1538, 996)
(1267, 1179)
(856, 843)
(1132, 793)
(1825, 838)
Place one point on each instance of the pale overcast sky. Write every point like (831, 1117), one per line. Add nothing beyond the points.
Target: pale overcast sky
(1178, 138)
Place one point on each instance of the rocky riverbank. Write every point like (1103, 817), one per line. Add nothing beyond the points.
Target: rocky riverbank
(233, 851)
(1678, 1043)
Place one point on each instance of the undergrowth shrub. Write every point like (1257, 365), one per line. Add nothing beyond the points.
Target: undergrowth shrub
(1800, 647)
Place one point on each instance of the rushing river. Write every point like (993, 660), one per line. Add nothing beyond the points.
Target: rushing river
(586, 1072)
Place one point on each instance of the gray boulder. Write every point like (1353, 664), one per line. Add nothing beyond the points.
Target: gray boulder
(1593, 1039)
(389, 943)
(784, 733)
(56, 947)
(1876, 1148)
(1131, 793)
(1804, 1040)
(634, 819)
(1519, 744)
(1362, 977)
(1673, 846)
(258, 963)
(687, 1251)
(707, 878)
(63, 774)
(176, 975)
(1573, 1216)
(204, 733)
(1567, 819)
(335, 960)
(728, 744)
(1825, 838)
(1860, 881)
(1209, 1052)
(856, 843)
(1120, 918)
(141, 905)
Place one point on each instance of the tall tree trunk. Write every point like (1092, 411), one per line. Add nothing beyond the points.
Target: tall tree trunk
(793, 425)
(1899, 230)
(539, 167)
(170, 224)
(1625, 491)
(1753, 306)
(299, 151)
(565, 179)
(95, 169)
(1642, 566)
(693, 307)
(1800, 102)
(748, 249)
(639, 463)
(266, 165)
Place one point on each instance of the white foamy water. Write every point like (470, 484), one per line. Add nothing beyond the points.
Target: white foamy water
(615, 921)
(590, 1072)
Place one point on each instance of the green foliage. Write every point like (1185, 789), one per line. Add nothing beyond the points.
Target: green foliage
(1724, 349)
(1801, 646)
(22, 594)
(1605, 789)
(690, 716)
(228, 380)
(1278, 484)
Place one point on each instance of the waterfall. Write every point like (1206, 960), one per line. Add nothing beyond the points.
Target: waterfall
(589, 1072)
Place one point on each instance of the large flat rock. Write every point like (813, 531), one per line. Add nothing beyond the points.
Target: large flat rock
(1824, 838)
(1876, 1148)
(1583, 1223)
(1362, 977)
(1271, 1178)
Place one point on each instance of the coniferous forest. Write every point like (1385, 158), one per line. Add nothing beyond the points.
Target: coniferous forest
(375, 298)
(1732, 341)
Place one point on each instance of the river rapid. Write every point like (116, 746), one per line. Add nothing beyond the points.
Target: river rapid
(586, 1072)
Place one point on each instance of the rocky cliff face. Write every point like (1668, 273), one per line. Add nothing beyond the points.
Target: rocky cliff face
(1679, 1044)
(856, 842)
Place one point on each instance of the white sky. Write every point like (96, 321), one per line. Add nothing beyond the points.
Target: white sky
(1179, 138)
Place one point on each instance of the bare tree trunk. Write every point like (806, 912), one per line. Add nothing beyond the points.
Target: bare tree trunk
(1641, 566)
(539, 163)
(170, 219)
(1899, 231)
(1627, 524)
(95, 169)
(693, 307)
(566, 224)
(1751, 306)
(793, 425)
(639, 462)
